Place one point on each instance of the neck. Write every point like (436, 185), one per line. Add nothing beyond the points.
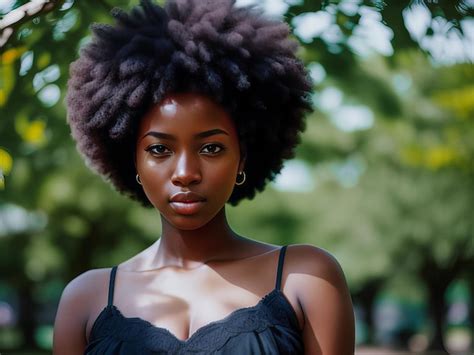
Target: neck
(192, 248)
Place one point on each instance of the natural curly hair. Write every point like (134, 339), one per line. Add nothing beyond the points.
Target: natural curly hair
(234, 55)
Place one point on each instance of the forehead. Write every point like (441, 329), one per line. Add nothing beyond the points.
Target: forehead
(186, 113)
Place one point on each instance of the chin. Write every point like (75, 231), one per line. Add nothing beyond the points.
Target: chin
(185, 222)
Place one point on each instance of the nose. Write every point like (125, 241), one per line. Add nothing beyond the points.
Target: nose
(187, 171)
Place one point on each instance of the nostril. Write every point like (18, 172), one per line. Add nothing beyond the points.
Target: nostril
(185, 179)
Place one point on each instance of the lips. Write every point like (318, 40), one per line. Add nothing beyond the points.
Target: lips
(187, 203)
(187, 197)
(187, 208)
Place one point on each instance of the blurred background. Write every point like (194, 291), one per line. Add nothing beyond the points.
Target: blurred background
(383, 179)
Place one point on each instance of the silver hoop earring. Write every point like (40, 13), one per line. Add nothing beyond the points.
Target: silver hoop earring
(138, 179)
(242, 173)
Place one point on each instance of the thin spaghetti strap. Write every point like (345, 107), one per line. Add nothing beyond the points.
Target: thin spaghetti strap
(281, 259)
(110, 301)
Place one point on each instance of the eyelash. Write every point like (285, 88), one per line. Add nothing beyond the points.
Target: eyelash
(153, 147)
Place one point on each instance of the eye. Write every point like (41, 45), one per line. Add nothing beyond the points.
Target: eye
(212, 148)
(157, 149)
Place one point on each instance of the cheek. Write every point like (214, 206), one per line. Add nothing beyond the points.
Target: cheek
(220, 180)
(153, 178)
(147, 168)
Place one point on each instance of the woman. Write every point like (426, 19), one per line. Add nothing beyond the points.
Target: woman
(185, 109)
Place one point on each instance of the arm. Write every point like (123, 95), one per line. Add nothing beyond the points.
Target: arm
(325, 301)
(73, 314)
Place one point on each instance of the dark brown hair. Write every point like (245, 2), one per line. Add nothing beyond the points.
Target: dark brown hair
(234, 55)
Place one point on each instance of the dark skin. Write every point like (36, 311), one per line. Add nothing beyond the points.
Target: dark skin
(200, 270)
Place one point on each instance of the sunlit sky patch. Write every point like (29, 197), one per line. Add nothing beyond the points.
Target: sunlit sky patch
(345, 117)
(65, 24)
(295, 176)
(349, 171)
(271, 7)
(317, 72)
(15, 219)
(311, 24)
(330, 98)
(50, 95)
(401, 82)
(349, 7)
(26, 62)
(368, 37)
(67, 5)
(48, 75)
(371, 35)
(352, 118)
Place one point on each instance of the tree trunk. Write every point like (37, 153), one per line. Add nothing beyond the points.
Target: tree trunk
(437, 280)
(437, 312)
(470, 282)
(27, 312)
(365, 298)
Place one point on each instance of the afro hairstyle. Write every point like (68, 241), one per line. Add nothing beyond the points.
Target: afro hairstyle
(234, 55)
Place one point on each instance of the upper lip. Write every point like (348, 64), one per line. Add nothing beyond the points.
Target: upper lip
(186, 197)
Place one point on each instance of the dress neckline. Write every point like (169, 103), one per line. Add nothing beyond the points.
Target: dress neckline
(201, 330)
(110, 310)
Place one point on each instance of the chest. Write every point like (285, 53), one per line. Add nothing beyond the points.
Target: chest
(183, 314)
(269, 327)
(183, 302)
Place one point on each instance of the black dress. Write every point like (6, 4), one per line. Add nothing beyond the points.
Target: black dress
(269, 327)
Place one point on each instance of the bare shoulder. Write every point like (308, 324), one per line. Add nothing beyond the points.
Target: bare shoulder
(86, 282)
(309, 260)
(317, 280)
(80, 293)
(78, 300)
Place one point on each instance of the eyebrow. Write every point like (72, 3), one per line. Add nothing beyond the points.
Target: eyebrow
(204, 134)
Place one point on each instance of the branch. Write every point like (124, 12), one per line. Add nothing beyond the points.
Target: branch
(22, 14)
